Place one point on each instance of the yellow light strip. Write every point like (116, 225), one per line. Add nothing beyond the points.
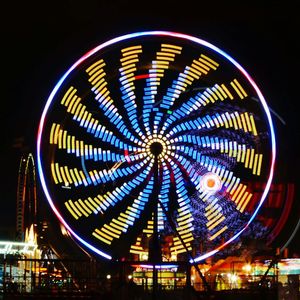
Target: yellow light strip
(202, 68)
(114, 225)
(237, 90)
(192, 74)
(68, 175)
(85, 207)
(255, 164)
(243, 153)
(81, 208)
(66, 95)
(195, 66)
(231, 184)
(70, 97)
(218, 233)
(219, 94)
(165, 58)
(251, 158)
(126, 58)
(106, 236)
(210, 60)
(109, 233)
(101, 61)
(207, 63)
(220, 89)
(248, 121)
(227, 91)
(213, 220)
(53, 173)
(235, 192)
(244, 122)
(194, 70)
(247, 158)
(259, 164)
(101, 238)
(136, 247)
(131, 61)
(71, 211)
(246, 202)
(171, 46)
(240, 194)
(216, 223)
(56, 134)
(97, 76)
(129, 53)
(229, 119)
(240, 88)
(118, 232)
(99, 82)
(79, 214)
(131, 48)
(95, 206)
(77, 175)
(253, 125)
(52, 135)
(58, 173)
(87, 203)
(209, 217)
(59, 138)
(185, 215)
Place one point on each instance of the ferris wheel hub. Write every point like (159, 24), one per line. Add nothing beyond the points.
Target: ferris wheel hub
(156, 148)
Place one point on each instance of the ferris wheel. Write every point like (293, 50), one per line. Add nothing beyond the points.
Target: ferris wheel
(155, 134)
(26, 214)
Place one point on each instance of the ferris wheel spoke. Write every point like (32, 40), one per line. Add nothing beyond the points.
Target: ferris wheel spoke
(129, 60)
(238, 121)
(156, 73)
(184, 219)
(209, 96)
(240, 152)
(215, 218)
(72, 145)
(77, 177)
(103, 202)
(106, 104)
(92, 125)
(165, 188)
(120, 224)
(198, 68)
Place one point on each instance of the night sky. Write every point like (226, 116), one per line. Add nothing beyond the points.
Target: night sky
(40, 40)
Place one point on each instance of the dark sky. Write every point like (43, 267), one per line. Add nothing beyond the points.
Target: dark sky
(40, 40)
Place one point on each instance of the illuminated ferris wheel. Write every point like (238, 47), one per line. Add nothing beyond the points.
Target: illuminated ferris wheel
(155, 134)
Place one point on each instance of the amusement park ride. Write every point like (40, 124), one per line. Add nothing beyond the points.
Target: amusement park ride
(155, 150)
(148, 146)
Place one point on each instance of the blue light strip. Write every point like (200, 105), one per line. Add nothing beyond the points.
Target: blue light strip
(127, 187)
(111, 112)
(150, 91)
(102, 133)
(181, 191)
(104, 176)
(206, 122)
(129, 97)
